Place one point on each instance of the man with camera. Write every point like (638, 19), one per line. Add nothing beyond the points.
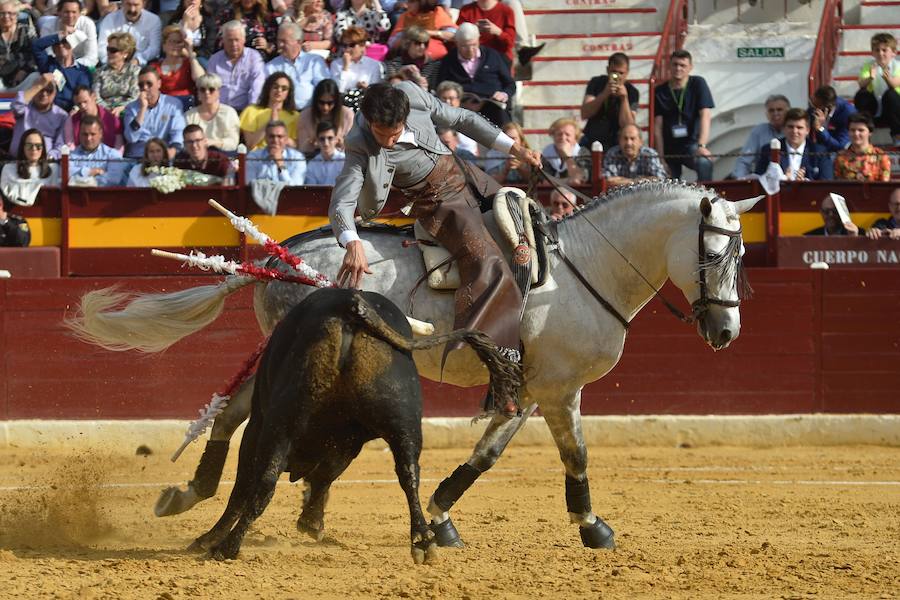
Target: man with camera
(609, 104)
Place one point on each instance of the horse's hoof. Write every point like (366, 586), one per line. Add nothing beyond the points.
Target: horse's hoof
(225, 551)
(172, 501)
(197, 546)
(446, 535)
(598, 535)
(425, 555)
(315, 531)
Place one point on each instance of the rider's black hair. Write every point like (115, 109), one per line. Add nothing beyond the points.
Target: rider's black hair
(385, 105)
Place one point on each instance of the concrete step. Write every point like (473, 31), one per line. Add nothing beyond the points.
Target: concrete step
(633, 20)
(850, 64)
(878, 12)
(540, 117)
(857, 37)
(563, 93)
(599, 44)
(846, 86)
(552, 68)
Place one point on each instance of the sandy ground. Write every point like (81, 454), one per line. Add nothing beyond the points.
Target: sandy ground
(703, 522)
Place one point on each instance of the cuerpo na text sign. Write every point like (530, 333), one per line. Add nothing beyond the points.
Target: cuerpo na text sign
(838, 251)
(761, 52)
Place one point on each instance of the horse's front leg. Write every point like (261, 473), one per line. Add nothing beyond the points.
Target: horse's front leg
(172, 500)
(487, 451)
(564, 422)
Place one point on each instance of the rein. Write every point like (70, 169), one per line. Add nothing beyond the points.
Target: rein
(698, 308)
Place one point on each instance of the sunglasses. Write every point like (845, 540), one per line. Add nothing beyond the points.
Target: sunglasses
(418, 43)
(33, 146)
(281, 88)
(193, 141)
(208, 90)
(47, 90)
(354, 44)
(145, 84)
(112, 50)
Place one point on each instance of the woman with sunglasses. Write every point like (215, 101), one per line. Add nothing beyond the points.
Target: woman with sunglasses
(413, 63)
(327, 105)
(156, 154)
(354, 70)
(115, 83)
(21, 180)
(179, 68)
(276, 103)
(431, 17)
(218, 121)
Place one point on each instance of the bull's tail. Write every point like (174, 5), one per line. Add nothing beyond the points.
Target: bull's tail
(506, 375)
(149, 322)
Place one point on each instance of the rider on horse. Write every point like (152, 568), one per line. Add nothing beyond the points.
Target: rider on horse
(395, 142)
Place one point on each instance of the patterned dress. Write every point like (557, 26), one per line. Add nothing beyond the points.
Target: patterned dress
(871, 165)
(376, 23)
(116, 88)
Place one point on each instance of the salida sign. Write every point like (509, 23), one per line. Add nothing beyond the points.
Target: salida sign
(760, 52)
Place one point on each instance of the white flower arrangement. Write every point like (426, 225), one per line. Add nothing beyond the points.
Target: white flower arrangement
(166, 180)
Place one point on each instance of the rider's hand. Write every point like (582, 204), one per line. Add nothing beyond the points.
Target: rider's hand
(354, 265)
(531, 157)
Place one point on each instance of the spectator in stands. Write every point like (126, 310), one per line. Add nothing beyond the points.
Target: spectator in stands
(801, 159)
(879, 84)
(355, 70)
(450, 137)
(431, 17)
(832, 220)
(240, 69)
(198, 21)
(179, 69)
(116, 82)
(14, 230)
(197, 155)
(326, 105)
(829, 114)
(34, 109)
(631, 161)
(260, 27)
(564, 158)
(862, 161)
(277, 161)
(78, 29)
(20, 181)
(152, 115)
(368, 15)
(156, 154)
(451, 93)
(413, 62)
(325, 166)
(760, 136)
(62, 61)
(93, 163)
(562, 204)
(220, 123)
(481, 71)
(86, 104)
(276, 103)
(683, 108)
(317, 26)
(505, 168)
(610, 103)
(496, 24)
(16, 58)
(143, 25)
(305, 69)
(888, 228)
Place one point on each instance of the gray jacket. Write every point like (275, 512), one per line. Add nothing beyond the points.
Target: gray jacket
(365, 181)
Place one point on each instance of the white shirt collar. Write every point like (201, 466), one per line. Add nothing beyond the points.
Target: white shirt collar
(407, 137)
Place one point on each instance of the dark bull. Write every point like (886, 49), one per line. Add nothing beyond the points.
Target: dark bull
(337, 372)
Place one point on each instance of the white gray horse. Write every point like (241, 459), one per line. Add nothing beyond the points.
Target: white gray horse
(621, 246)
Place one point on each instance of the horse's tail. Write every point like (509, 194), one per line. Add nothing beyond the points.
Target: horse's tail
(507, 375)
(149, 322)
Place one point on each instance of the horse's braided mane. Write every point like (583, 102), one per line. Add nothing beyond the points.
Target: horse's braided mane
(655, 187)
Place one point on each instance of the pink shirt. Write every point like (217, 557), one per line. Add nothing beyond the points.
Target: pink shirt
(471, 66)
(112, 129)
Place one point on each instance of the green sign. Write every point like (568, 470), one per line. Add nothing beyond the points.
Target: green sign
(760, 52)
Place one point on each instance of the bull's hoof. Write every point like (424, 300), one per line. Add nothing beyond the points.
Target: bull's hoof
(446, 535)
(314, 530)
(598, 535)
(172, 501)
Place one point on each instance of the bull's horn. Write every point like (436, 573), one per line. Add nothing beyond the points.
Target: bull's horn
(420, 327)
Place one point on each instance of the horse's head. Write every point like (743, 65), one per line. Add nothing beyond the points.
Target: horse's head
(705, 262)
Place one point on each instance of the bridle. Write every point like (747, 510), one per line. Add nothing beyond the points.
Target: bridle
(698, 308)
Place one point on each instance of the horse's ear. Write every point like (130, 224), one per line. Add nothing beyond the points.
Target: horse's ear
(705, 207)
(742, 206)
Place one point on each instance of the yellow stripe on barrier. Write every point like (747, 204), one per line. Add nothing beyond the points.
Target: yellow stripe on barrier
(798, 223)
(45, 231)
(754, 227)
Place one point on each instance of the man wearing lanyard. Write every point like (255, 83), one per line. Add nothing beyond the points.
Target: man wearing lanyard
(683, 115)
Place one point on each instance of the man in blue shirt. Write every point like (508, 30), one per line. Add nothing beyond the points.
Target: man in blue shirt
(777, 106)
(325, 166)
(63, 61)
(683, 116)
(830, 116)
(304, 68)
(241, 69)
(277, 162)
(152, 115)
(93, 158)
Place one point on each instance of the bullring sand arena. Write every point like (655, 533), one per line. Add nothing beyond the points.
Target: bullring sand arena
(691, 522)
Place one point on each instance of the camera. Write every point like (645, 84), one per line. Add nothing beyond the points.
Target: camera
(614, 76)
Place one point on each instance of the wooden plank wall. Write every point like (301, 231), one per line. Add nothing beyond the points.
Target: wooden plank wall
(811, 341)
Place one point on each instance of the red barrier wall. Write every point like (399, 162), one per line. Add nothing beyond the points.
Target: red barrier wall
(812, 341)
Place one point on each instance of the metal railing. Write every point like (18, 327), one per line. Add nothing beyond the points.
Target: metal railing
(673, 35)
(827, 44)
